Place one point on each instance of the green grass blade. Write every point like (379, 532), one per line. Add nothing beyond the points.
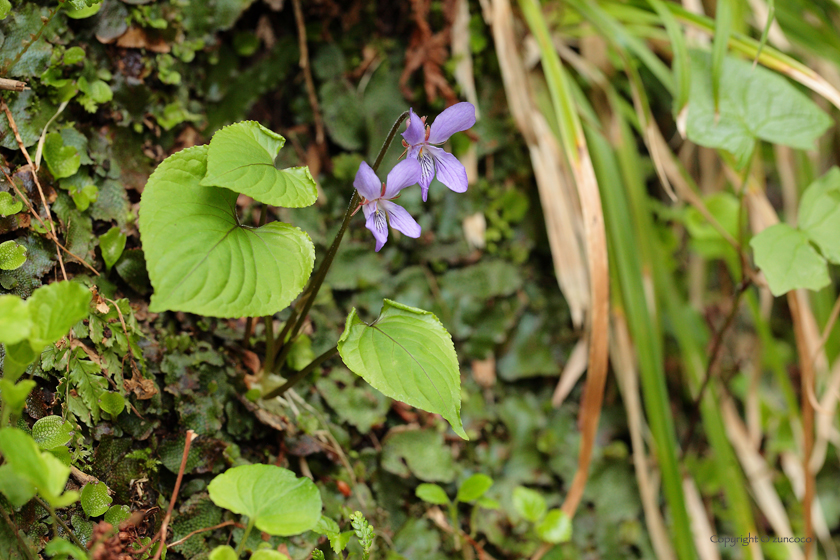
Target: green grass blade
(680, 64)
(723, 29)
(771, 15)
(624, 244)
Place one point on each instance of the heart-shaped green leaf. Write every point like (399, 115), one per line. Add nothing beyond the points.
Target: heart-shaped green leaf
(52, 431)
(755, 104)
(15, 321)
(117, 514)
(201, 260)
(54, 310)
(12, 255)
(408, 356)
(241, 159)
(45, 472)
(279, 502)
(95, 499)
(788, 260)
(8, 204)
(62, 160)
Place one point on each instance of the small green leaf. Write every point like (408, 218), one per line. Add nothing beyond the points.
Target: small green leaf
(755, 104)
(326, 526)
(54, 309)
(60, 549)
(117, 514)
(422, 453)
(15, 322)
(819, 214)
(191, 235)
(788, 260)
(241, 158)
(52, 431)
(556, 528)
(432, 493)
(12, 255)
(85, 196)
(112, 244)
(16, 488)
(62, 160)
(14, 395)
(223, 552)
(5, 6)
(529, 503)
(340, 541)
(408, 356)
(8, 204)
(474, 487)
(73, 55)
(267, 554)
(279, 502)
(45, 472)
(95, 499)
(112, 403)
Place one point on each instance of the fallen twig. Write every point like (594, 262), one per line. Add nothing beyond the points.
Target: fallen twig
(12, 85)
(37, 183)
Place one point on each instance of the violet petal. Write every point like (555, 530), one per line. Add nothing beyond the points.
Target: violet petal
(367, 183)
(414, 133)
(404, 174)
(401, 220)
(449, 170)
(460, 116)
(377, 224)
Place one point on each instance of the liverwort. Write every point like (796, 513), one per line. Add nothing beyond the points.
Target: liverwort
(422, 144)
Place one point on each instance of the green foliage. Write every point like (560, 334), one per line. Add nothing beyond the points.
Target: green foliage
(787, 255)
(555, 528)
(112, 244)
(755, 104)
(408, 355)
(60, 549)
(45, 318)
(474, 488)
(529, 503)
(223, 553)
(94, 93)
(51, 432)
(418, 452)
(62, 160)
(30, 470)
(266, 554)
(241, 158)
(5, 6)
(8, 205)
(364, 532)
(191, 233)
(278, 502)
(432, 493)
(95, 499)
(117, 514)
(12, 255)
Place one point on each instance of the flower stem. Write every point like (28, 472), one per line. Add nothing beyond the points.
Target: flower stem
(302, 373)
(318, 278)
(241, 548)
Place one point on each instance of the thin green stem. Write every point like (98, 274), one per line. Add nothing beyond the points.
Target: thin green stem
(241, 548)
(46, 505)
(321, 274)
(268, 365)
(302, 373)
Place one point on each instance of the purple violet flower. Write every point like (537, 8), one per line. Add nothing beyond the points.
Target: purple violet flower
(421, 145)
(377, 197)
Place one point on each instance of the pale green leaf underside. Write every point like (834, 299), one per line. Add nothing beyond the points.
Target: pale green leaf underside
(408, 356)
(755, 104)
(201, 261)
(241, 158)
(279, 502)
(819, 214)
(788, 260)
